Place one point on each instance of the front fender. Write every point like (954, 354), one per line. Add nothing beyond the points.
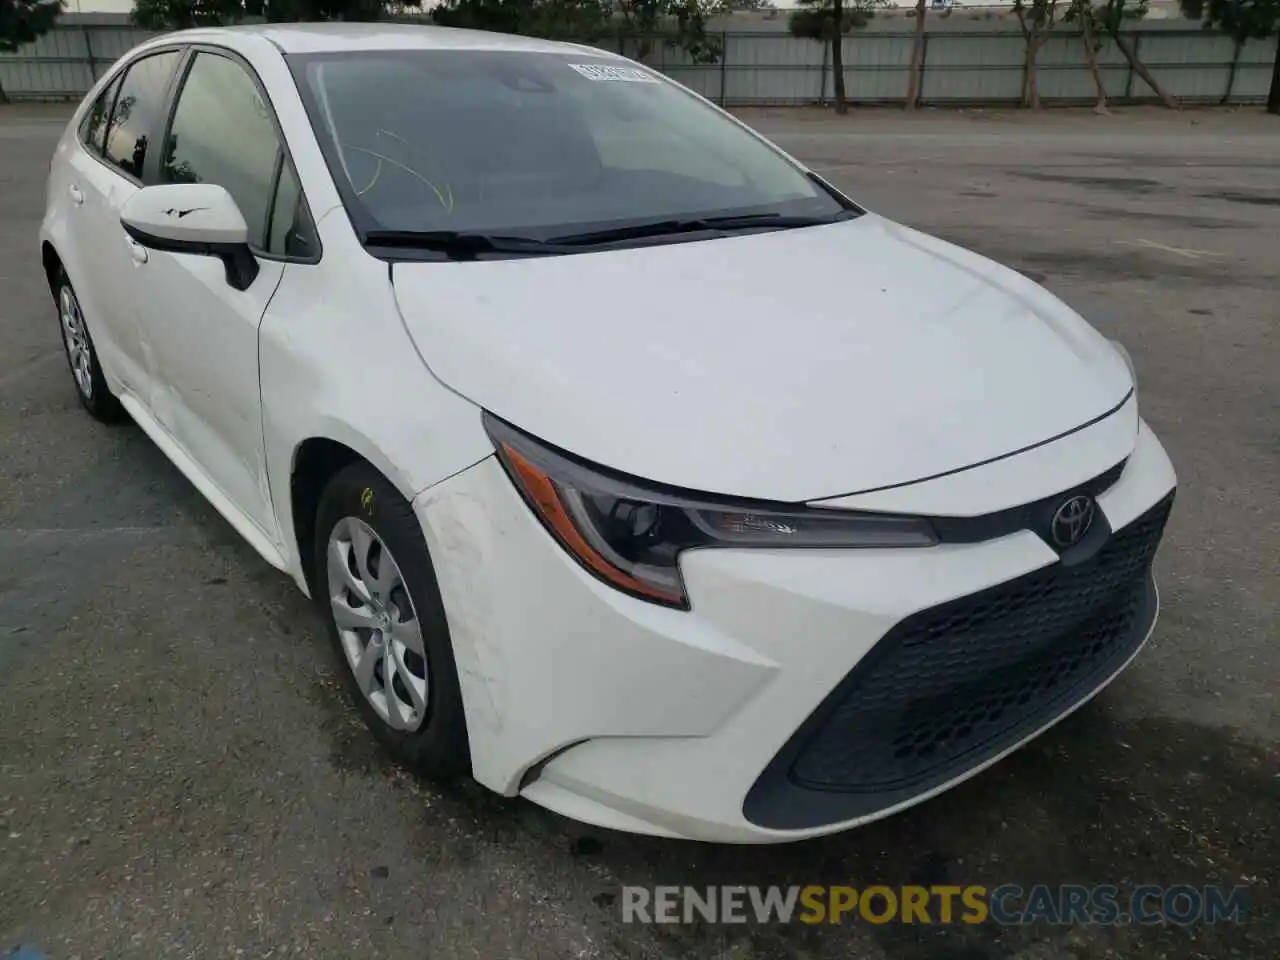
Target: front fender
(336, 362)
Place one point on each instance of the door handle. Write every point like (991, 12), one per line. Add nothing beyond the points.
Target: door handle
(137, 250)
(77, 195)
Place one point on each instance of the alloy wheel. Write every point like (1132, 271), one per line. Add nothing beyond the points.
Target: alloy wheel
(76, 337)
(377, 624)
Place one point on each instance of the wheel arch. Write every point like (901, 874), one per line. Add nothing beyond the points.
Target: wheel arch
(315, 461)
(52, 264)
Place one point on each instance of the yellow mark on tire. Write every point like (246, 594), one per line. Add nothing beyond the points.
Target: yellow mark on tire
(366, 501)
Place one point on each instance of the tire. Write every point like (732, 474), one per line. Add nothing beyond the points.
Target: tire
(82, 356)
(358, 498)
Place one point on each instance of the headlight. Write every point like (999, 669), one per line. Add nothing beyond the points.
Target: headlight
(629, 534)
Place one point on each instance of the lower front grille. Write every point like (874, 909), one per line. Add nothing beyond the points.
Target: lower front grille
(954, 685)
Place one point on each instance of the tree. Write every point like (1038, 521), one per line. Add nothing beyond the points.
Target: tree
(1081, 12)
(914, 79)
(1036, 18)
(1243, 20)
(21, 21)
(827, 21)
(686, 19)
(180, 14)
(677, 23)
(1111, 16)
(572, 19)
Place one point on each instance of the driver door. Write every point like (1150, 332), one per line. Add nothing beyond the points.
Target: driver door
(202, 331)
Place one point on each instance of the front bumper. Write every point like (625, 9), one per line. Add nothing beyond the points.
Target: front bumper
(806, 692)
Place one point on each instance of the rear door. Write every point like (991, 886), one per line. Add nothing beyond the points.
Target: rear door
(115, 149)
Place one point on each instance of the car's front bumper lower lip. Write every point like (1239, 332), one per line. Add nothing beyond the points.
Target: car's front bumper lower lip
(761, 716)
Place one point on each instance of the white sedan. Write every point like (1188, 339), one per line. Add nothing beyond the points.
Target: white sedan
(633, 468)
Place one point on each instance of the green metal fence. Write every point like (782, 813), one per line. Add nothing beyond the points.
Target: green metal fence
(965, 62)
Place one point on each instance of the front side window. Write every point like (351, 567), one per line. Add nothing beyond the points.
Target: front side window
(222, 133)
(534, 144)
(135, 118)
(292, 233)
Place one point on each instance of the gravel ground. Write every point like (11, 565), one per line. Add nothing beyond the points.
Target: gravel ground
(179, 776)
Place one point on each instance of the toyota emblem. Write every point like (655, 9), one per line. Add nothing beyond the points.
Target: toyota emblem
(1071, 521)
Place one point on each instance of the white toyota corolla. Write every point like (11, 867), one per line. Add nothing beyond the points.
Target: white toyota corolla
(525, 363)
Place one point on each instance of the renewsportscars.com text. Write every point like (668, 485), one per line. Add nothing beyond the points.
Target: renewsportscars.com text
(1007, 904)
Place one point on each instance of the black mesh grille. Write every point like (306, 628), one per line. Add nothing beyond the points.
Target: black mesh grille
(951, 685)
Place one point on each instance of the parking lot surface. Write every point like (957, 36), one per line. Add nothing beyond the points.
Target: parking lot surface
(180, 775)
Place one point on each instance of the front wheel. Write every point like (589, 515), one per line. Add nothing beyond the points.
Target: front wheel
(376, 589)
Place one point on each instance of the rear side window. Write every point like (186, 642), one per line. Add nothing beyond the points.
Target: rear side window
(94, 125)
(222, 133)
(136, 116)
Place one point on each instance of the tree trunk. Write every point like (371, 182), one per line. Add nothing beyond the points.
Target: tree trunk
(1141, 69)
(1231, 75)
(1030, 94)
(1091, 54)
(1273, 98)
(914, 79)
(837, 68)
(837, 57)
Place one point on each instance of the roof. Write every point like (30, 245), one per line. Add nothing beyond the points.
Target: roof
(339, 36)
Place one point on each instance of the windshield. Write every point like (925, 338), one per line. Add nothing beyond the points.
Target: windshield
(529, 144)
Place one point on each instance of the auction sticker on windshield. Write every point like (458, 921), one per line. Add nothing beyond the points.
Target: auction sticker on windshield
(600, 71)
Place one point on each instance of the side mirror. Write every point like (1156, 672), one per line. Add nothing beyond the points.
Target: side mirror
(197, 218)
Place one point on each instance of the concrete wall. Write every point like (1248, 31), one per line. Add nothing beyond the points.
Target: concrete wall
(971, 57)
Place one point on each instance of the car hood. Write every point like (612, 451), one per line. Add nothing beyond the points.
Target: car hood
(790, 365)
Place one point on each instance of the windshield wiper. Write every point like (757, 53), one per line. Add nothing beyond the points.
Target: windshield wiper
(458, 245)
(726, 224)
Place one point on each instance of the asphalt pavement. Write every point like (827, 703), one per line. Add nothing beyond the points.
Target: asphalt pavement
(181, 777)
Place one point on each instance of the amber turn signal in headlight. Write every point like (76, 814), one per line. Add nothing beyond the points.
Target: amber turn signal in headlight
(630, 533)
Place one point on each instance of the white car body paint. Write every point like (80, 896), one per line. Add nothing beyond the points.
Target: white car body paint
(186, 211)
(84, 197)
(885, 380)
(336, 363)
(193, 471)
(671, 705)
(932, 382)
(1031, 475)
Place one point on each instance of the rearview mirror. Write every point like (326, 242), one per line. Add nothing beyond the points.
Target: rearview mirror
(196, 218)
